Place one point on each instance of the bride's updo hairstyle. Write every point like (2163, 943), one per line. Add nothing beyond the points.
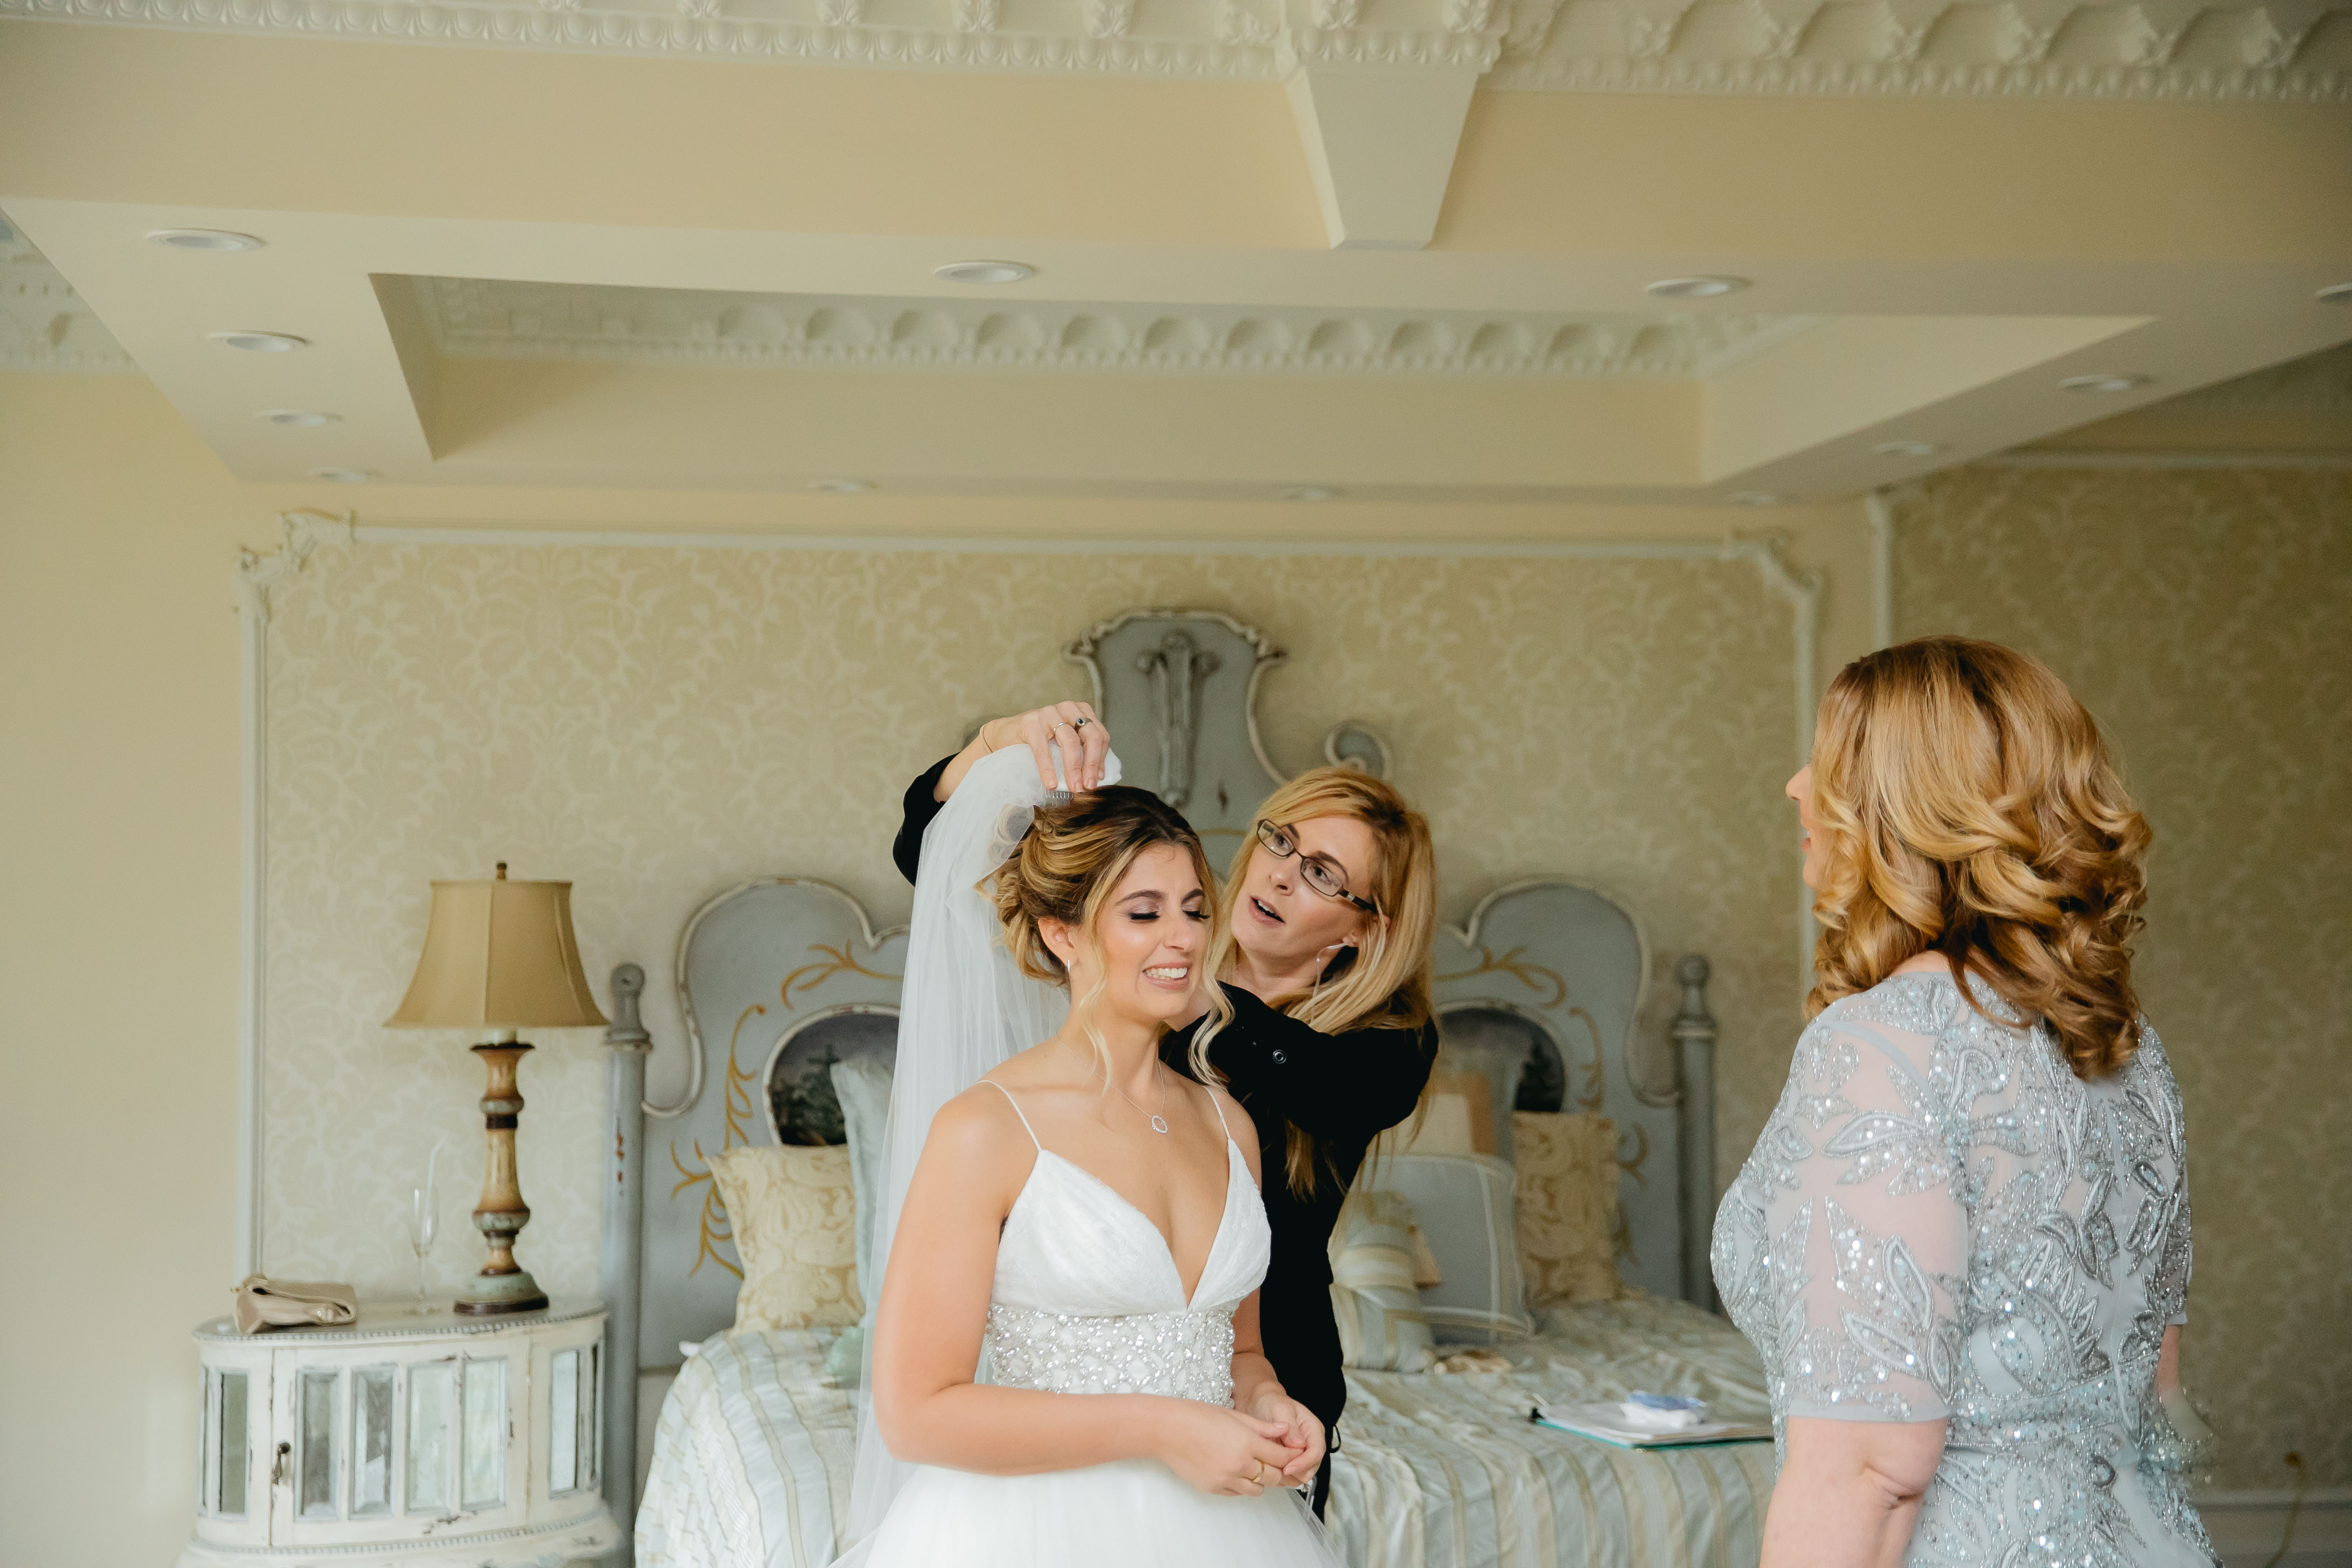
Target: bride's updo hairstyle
(1966, 805)
(1072, 857)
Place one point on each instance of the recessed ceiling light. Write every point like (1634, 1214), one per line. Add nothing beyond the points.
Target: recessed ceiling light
(1695, 288)
(204, 239)
(2334, 294)
(298, 418)
(842, 486)
(1309, 492)
(984, 271)
(2103, 382)
(260, 342)
(1906, 448)
(1753, 498)
(344, 476)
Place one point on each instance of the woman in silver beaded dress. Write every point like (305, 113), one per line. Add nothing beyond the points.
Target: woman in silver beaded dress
(1961, 1243)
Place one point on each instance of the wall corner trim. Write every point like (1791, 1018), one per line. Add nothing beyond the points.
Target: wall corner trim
(300, 532)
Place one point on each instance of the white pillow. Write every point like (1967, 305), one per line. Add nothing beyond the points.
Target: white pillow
(1463, 1205)
(862, 1084)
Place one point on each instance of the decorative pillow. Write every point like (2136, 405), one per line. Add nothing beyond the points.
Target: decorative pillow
(1381, 1328)
(792, 1212)
(1445, 1126)
(1425, 1271)
(862, 1084)
(1463, 1204)
(1566, 1201)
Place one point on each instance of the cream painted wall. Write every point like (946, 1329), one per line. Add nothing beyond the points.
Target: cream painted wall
(118, 958)
(120, 769)
(2202, 617)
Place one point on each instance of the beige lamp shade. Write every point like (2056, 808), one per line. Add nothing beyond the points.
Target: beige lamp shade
(500, 955)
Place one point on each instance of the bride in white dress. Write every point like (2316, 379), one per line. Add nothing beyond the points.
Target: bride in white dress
(1064, 1352)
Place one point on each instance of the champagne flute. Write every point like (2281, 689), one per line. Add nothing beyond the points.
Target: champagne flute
(424, 1224)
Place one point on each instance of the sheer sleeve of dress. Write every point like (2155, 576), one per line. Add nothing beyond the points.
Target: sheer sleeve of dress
(1868, 1229)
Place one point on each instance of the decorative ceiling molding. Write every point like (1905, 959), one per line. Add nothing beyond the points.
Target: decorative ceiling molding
(473, 318)
(43, 324)
(2289, 50)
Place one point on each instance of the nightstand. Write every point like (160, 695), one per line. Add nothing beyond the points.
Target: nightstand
(403, 1442)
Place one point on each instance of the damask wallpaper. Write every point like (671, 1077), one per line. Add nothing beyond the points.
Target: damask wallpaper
(658, 724)
(2206, 619)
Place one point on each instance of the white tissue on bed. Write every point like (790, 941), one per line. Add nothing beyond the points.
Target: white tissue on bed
(1655, 1418)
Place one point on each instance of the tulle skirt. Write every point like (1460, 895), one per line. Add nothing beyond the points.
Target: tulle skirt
(1135, 1513)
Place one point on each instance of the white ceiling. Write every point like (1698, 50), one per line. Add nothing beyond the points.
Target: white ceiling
(560, 263)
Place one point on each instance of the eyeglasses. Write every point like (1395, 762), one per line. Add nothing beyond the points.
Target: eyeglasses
(1320, 874)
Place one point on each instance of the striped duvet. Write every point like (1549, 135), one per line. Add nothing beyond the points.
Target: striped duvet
(752, 1456)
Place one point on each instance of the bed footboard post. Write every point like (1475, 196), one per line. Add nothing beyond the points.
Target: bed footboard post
(1694, 1037)
(620, 1257)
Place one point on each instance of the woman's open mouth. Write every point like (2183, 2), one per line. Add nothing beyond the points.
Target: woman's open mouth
(1169, 975)
(1264, 913)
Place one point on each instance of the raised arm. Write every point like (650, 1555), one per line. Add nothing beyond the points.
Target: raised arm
(1036, 730)
(934, 1310)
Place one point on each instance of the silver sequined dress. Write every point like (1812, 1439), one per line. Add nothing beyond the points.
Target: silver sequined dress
(1941, 1221)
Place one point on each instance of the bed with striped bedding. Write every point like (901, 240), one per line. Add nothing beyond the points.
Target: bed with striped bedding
(1436, 1469)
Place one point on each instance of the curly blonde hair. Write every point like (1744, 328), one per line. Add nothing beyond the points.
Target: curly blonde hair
(1966, 804)
(1068, 863)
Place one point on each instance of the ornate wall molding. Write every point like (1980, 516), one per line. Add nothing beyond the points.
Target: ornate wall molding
(493, 319)
(2283, 51)
(300, 532)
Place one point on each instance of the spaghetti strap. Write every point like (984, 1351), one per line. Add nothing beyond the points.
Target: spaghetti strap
(1221, 1112)
(1024, 1119)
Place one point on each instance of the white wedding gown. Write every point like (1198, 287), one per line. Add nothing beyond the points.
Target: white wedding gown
(1087, 1299)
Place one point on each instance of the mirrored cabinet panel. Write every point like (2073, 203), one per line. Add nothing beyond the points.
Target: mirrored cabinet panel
(372, 1408)
(398, 1432)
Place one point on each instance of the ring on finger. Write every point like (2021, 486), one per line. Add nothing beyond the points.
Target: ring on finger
(1082, 724)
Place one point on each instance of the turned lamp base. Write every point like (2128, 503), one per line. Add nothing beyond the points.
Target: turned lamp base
(487, 1294)
(503, 1285)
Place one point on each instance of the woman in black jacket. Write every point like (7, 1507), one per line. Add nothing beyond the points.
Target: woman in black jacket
(1330, 910)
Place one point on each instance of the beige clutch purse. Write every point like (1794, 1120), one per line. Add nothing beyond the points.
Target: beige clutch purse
(265, 1303)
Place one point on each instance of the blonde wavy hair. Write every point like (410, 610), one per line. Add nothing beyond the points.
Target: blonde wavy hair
(1068, 866)
(1382, 983)
(1966, 805)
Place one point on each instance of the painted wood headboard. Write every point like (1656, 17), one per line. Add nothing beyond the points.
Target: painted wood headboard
(778, 977)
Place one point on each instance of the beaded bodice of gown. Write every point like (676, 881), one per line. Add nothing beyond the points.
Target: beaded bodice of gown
(1941, 1221)
(1087, 1299)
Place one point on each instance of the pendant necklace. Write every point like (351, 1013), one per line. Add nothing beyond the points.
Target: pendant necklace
(1159, 1123)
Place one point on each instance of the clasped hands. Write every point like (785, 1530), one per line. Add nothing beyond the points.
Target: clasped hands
(1278, 1442)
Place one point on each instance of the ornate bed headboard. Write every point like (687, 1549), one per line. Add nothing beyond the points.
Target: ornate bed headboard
(781, 976)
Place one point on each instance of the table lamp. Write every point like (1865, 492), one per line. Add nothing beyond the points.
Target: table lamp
(500, 955)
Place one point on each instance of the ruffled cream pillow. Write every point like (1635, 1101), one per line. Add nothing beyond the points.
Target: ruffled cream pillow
(1567, 1202)
(1374, 1300)
(794, 1215)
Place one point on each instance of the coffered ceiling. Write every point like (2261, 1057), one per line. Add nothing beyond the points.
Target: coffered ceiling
(1396, 249)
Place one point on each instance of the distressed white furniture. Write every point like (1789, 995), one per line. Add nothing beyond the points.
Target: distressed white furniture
(403, 1442)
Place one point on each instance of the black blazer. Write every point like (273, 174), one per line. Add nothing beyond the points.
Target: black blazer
(1345, 1089)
